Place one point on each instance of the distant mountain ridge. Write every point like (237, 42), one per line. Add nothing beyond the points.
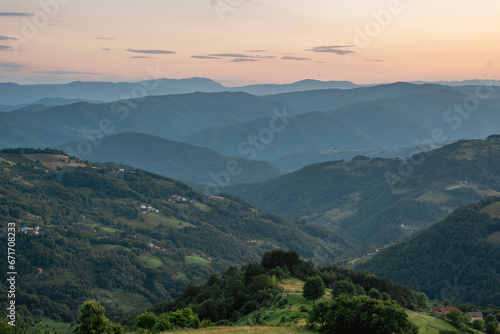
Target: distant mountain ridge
(461, 83)
(271, 127)
(45, 103)
(391, 121)
(167, 116)
(15, 94)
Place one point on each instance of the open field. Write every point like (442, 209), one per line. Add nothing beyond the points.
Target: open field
(202, 207)
(104, 228)
(53, 161)
(495, 236)
(154, 219)
(126, 301)
(428, 324)
(151, 261)
(493, 209)
(106, 247)
(52, 325)
(196, 260)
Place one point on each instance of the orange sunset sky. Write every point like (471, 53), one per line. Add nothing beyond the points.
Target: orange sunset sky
(239, 42)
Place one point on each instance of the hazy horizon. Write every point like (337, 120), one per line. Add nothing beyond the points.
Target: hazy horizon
(493, 82)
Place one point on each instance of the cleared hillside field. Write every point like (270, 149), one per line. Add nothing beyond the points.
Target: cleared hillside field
(428, 324)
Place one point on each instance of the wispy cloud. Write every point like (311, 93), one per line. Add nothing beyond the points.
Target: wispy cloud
(66, 73)
(336, 49)
(141, 57)
(241, 60)
(105, 49)
(4, 47)
(14, 14)
(294, 58)
(374, 60)
(106, 38)
(256, 51)
(10, 67)
(157, 52)
(232, 55)
(238, 57)
(205, 57)
(5, 38)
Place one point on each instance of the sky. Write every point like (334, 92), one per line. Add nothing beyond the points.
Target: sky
(241, 42)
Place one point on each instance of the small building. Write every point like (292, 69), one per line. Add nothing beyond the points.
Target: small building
(442, 310)
(475, 315)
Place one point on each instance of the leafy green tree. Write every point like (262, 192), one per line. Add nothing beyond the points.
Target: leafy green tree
(456, 317)
(318, 314)
(374, 293)
(252, 270)
(491, 324)
(344, 287)
(260, 283)
(183, 318)
(146, 320)
(93, 320)
(478, 324)
(163, 324)
(314, 288)
(361, 314)
(8, 329)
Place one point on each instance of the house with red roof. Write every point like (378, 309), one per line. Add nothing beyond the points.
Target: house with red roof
(442, 310)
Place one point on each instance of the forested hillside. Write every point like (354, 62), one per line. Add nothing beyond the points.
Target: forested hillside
(178, 160)
(457, 259)
(383, 200)
(127, 238)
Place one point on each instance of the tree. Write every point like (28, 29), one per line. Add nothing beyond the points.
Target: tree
(146, 320)
(314, 288)
(361, 314)
(478, 324)
(344, 287)
(374, 293)
(491, 324)
(93, 320)
(456, 317)
(183, 318)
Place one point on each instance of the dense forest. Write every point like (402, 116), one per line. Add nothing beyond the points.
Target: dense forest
(457, 259)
